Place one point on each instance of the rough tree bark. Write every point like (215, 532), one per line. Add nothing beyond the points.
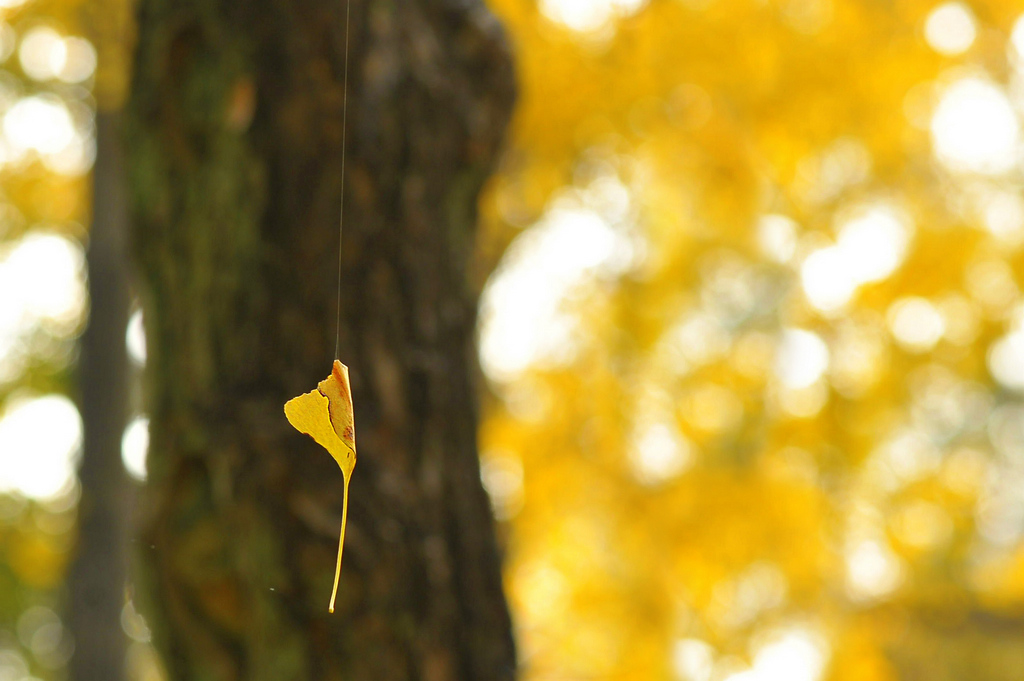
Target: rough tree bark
(234, 133)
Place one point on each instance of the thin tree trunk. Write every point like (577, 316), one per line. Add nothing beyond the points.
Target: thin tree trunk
(236, 128)
(96, 582)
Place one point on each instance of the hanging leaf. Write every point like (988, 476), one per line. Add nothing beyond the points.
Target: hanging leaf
(326, 415)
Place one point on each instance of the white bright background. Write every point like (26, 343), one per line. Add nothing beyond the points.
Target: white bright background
(45, 119)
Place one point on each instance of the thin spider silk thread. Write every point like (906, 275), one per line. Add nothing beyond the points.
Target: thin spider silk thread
(341, 226)
(341, 217)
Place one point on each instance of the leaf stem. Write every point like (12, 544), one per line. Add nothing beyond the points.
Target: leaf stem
(341, 545)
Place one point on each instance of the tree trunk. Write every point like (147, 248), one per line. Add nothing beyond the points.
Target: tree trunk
(235, 134)
(96, 582)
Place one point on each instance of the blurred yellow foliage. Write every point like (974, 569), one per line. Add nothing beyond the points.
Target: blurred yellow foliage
(771, 425)
(38, 560)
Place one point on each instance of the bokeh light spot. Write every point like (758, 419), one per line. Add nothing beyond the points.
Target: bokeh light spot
(586, 16)
(974, 128)
(1017, 40)
(949, 28)
(135, 447)
(659, 453)
(43, 53)
(1006, 360)
(871, 244)
(39, 123)
(872, 570)
(40, 441)
(795, 655)
(802, 358)
(916, 324)
(502, 477)
(135, 338)
(776, 236)
(80, 63)
(43, 282)
(523, 321)
(1003, 216)
(693, 659)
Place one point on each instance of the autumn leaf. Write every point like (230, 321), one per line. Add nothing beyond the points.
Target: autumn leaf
(327, 416)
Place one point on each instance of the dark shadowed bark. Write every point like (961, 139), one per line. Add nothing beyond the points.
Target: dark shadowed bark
(96, 583)
(235, 139)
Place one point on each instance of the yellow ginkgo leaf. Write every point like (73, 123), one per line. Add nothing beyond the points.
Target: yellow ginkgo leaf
(326, 415)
